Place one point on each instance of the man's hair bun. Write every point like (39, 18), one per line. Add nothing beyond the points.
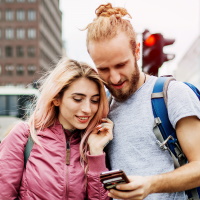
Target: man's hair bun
(106, 10)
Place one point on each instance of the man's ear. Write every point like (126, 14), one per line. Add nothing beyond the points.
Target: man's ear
(56, 102)
(137, 51)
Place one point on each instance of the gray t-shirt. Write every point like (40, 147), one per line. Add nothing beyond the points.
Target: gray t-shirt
(134, 148)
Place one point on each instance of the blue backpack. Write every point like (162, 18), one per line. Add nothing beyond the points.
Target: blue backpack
(163, 130)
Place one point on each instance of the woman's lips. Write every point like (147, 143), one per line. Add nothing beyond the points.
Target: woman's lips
(83, 119)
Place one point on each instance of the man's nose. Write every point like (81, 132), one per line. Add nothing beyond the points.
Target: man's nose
(114, 77)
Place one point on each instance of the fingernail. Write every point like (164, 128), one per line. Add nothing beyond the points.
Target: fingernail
(117, 186)
(105, 119)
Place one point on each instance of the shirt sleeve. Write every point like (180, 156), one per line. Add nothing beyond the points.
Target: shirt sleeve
(95, 189)
(182, 102)
(12, 161)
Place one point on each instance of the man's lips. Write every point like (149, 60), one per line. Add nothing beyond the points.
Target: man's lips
(119, 85)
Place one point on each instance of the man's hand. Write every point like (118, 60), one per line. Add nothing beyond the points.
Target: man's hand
(137, 189)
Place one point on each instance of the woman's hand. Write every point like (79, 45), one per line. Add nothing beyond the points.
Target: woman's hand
(100, 137)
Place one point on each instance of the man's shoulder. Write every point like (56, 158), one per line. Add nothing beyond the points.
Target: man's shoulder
(150, 82)
(180, 89)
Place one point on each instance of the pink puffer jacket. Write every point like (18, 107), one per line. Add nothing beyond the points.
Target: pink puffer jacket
(47, 176)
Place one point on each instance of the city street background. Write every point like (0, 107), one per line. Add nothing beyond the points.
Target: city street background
(34, 34)
(178, 19)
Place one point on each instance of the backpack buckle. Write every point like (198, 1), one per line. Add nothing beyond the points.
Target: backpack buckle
(162, 145)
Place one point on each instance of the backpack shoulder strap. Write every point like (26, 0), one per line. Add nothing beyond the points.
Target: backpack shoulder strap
(163, 130)
(159, 105)
(28, 148)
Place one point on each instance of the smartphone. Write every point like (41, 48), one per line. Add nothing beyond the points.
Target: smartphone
(111, 178)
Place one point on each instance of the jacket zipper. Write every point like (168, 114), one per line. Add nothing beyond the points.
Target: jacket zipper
(67, 182)
(67, 164)
(68, 153)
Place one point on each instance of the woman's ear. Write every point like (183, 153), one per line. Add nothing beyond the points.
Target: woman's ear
(56, 102)
(137, 51)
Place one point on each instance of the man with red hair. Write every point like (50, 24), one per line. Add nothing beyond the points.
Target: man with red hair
(112, 45)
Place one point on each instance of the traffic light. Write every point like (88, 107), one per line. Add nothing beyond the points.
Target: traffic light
(152, 52)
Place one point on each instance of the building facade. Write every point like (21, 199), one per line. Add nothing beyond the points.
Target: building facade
(188, 68)
(30, 39)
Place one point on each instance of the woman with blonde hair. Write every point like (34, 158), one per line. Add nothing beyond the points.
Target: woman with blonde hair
(70, 130)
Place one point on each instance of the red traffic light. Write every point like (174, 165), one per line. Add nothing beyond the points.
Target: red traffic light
(150, 40)
(152, 51)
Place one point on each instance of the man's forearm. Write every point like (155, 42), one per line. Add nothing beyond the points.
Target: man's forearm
(182, 178)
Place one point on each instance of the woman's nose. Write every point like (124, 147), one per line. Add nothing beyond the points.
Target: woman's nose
(86, 107)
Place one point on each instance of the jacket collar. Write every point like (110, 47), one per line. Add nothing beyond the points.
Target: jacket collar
(74, 136)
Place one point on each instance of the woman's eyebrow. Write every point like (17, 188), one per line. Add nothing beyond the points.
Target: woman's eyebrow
(80, 94)
(96, 95)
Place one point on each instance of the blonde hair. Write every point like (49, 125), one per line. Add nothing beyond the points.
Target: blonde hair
(53, 85)
(108, 23)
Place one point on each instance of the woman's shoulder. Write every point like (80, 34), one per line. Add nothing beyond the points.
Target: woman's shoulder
(21, 126)
(19, 131)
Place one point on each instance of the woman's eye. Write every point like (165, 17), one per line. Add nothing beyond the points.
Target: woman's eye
(95, 101)
(77, 100)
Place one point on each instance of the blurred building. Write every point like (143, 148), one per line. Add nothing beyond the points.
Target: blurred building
(30, 39)
(188, 68)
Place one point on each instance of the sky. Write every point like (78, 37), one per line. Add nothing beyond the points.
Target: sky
(177, 19)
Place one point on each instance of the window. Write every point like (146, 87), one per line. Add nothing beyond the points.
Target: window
(31, 33)
(0, 15)
(0, 33)
(9, 1)
(20, 33)
(31, 51)
(0, 69)
(9, 15)
(20, 0)
(19, 51)
(9, 51)
(31, 69)
(20, 15)
(31, 15)
(31, 1)
(9, 33)
(3, 105)
(20, 70)
(9, 69)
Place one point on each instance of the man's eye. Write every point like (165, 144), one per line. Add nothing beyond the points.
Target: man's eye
(121, 65)
(102, 69)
